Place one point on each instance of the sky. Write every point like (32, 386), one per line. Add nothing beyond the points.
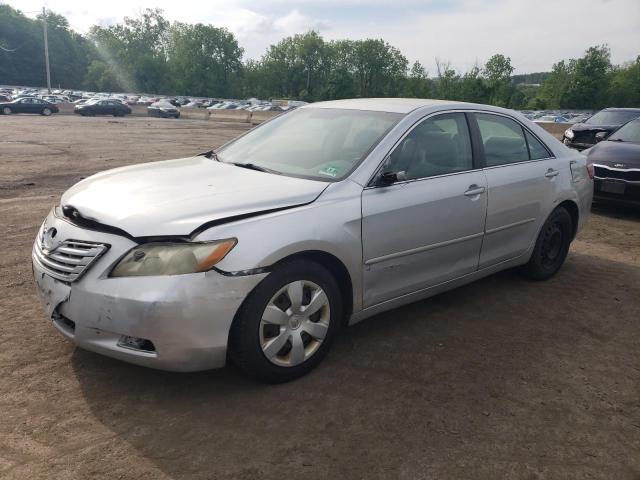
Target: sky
(534, 33)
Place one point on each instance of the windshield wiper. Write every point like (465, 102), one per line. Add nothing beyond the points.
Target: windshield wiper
(253, 166)
(615, 139)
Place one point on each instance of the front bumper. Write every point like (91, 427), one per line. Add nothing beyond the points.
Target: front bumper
(617, 185)
(186, 317)
(576, 145)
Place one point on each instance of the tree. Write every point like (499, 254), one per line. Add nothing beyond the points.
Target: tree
(497, 72)
(624, 85)
(448, 81)
(553, 92)
(136, 49)
(589, 80)
(417, 84)
(203, 60)
(22, 47)
(472, 86)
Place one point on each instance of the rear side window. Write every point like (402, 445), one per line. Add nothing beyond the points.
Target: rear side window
(536, 149)
(439, 145)
(503, 140)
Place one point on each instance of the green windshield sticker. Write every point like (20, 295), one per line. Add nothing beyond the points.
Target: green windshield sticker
(329, 171)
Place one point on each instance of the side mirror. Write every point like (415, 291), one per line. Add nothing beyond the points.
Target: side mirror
(389, 178)
(600, 136)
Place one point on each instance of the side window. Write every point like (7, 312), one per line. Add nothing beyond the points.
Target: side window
(536, 149)
(503, 140)
(439, 145)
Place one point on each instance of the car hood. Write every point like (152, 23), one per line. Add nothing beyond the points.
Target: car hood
(585, 127)
(615, 153)
(176, 197)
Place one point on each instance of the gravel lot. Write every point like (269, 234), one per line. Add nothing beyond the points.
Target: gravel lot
(503, 378)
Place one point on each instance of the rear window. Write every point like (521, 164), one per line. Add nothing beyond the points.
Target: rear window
(612, 117)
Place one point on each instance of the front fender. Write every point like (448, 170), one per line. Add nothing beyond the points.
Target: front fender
(331, 224)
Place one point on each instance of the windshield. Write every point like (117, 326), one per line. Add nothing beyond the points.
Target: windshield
(612, 117)
(317, 143)
(627, 133)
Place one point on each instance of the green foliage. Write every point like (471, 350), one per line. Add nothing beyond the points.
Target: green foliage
(150, 54)
(21, 50)
(591, 82)
(624, 86)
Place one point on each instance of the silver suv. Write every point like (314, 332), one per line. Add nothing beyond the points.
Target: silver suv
(262, 250)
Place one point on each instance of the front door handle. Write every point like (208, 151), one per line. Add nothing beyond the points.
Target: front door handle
(551, 173)
(474, 190)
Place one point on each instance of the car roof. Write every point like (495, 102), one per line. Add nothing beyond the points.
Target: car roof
(394, 105)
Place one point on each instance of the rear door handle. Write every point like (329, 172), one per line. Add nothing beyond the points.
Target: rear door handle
(551, 173)
(474, 190)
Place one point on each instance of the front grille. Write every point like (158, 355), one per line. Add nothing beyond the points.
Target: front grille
(69, 260)
(629, 175)
(585, 136)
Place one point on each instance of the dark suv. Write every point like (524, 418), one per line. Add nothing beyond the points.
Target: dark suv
(583, 135)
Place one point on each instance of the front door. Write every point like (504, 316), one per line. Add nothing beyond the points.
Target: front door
(426, 228)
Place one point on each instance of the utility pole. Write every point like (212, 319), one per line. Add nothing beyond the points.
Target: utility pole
(46, 48)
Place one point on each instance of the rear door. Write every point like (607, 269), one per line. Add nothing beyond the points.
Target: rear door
(426, 228)
(522, 177)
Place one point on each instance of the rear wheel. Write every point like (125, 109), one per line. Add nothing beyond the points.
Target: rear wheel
(7, 111)
(287, 324)
(552, 246)
(46, 112)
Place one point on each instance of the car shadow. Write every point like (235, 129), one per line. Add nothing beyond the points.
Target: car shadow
(491, 370)
(620, 211)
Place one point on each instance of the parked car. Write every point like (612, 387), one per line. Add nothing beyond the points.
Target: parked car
(28, 105)
(163, 109)
(326, 215)
(194, 104)
(616, 161)
(102, 107)
(583, 135)
(551, 119)
(5, 98)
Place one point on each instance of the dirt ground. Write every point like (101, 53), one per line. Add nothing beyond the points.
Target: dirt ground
(503, 378)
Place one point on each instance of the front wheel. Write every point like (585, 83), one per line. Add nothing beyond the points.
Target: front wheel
(6, 111)
(552, 246)
(286, 325)
(46, 112)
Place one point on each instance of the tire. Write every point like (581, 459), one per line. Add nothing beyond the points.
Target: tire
(283, 348)
(552, 246)
(46, 112)
(7, 111)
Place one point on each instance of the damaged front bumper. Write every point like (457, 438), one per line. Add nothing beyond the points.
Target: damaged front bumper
(178, 323)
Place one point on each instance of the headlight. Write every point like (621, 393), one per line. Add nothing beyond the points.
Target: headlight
(172, 258)
(569, 134)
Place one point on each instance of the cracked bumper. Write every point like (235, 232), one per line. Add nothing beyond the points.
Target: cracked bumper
(186, 317)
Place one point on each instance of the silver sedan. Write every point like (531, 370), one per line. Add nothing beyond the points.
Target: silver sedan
(262, 250)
